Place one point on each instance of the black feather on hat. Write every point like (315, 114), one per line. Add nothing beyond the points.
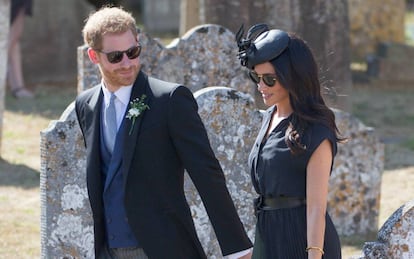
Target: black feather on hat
(260, 45)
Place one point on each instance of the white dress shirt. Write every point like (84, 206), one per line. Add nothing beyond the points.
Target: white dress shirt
(121, 102)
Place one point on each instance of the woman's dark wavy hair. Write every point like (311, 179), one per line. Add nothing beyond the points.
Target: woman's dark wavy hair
(297, 71)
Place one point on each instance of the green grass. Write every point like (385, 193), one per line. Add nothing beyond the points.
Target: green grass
(388, 111)
(20, 167)
(49, 103)
(376, 107)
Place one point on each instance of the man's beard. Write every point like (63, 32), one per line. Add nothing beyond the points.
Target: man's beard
(116, 79)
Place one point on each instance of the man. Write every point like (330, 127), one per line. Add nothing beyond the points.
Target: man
(135, 172)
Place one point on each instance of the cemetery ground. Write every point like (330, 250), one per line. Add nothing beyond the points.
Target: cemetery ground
(389, 108)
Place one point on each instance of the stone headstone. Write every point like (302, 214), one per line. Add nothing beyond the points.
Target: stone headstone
(88, 73)
(66, 221)
(232, 122)
(355, 183)
(396, 236)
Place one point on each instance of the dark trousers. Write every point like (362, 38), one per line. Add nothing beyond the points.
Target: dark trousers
(122, 253)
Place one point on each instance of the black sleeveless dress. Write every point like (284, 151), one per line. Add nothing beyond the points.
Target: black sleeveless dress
(276, 172)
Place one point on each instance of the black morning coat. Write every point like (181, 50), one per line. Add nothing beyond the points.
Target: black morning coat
(166, 139)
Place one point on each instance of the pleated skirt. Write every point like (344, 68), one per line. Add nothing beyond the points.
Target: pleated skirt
(281, 234)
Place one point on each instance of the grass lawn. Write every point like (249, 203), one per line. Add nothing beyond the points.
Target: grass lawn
(20, 168)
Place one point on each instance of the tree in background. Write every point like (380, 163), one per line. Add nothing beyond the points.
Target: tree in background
(325, 25)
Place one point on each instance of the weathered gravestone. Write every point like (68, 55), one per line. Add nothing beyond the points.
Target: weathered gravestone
(231, 120)
(395, 238)
(66, 222)
(355, 183)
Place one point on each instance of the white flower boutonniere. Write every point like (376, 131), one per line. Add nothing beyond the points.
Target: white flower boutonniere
(137, 106)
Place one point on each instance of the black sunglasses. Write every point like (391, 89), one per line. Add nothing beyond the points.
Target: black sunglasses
(116, 56)
(268, 79)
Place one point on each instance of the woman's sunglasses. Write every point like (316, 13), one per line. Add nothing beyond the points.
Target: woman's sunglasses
(268, 79)
(116, 56)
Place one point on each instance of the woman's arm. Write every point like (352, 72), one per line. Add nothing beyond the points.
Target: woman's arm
(317, 174)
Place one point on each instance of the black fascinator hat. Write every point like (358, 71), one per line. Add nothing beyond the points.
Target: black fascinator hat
(260, 45)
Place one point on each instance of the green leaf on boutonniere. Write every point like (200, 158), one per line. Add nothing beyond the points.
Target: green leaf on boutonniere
(136, 107)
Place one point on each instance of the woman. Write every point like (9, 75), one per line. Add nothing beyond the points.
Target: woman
(293, 154)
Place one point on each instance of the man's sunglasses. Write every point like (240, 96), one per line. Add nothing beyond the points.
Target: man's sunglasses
(268, 79)
(116, 56)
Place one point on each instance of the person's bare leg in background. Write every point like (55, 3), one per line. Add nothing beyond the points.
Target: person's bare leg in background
(15, 73)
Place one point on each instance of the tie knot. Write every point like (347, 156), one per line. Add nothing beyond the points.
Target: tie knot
(113, 97)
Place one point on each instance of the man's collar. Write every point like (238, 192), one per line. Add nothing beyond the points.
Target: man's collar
(122, 94)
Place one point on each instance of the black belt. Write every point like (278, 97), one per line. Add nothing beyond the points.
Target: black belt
(266, 203)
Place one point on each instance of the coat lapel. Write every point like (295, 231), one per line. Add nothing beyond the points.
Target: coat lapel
(92, 114)
(94, 111)
(141, 87)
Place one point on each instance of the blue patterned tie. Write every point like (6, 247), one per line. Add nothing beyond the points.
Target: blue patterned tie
(111, 125)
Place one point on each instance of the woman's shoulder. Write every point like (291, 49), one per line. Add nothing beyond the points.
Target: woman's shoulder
(319, 128)
(317, 132)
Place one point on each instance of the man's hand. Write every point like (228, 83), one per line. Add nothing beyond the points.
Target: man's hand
(247, 256)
